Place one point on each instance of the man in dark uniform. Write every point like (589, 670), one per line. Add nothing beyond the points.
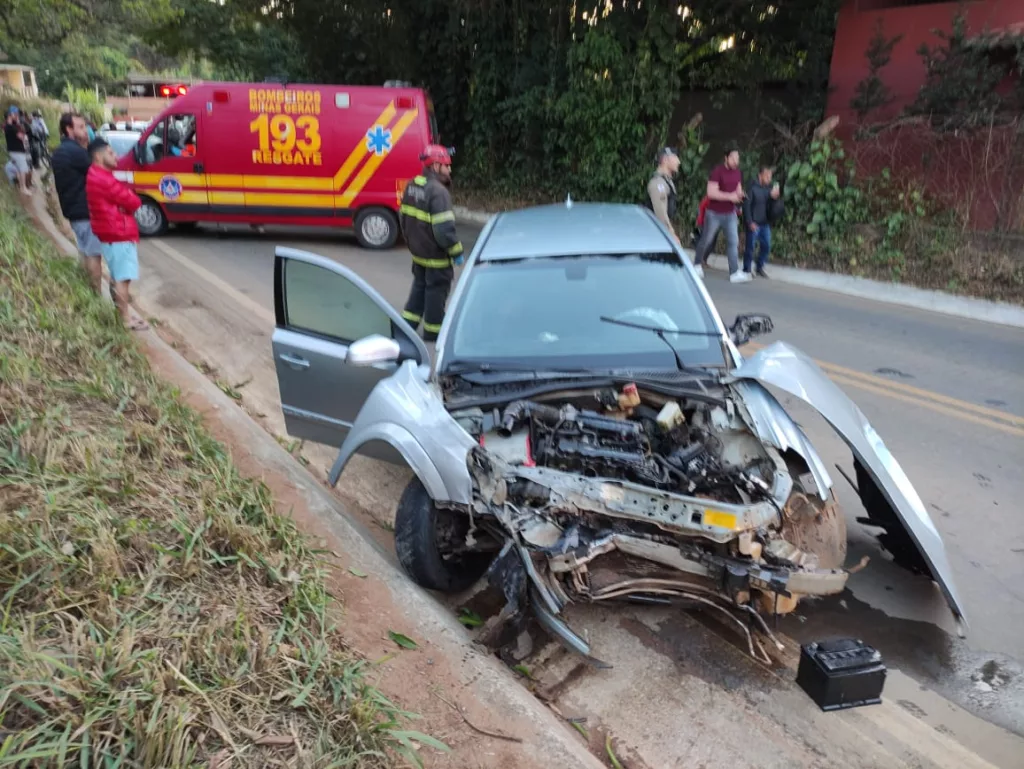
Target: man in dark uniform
(661, 190)
(428, 224)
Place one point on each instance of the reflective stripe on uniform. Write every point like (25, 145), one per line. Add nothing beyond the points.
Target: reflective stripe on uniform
(455, 250)
(432, 328)
(423, 216)
(414, 212)
(419, 181)
(435, 263)
(411, 316)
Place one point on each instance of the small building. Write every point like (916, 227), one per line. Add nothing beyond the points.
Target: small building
(19, 79)
(145, 96)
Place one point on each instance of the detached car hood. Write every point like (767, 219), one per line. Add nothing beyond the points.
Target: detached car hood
(884, 488)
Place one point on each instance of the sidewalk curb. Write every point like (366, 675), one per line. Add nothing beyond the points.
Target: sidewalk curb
(464, 214)
(984, 310)
(970, 308)
(550, 742)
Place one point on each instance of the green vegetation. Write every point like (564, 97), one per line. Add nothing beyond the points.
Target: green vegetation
(89, 43)
(539, 96)
(871, 92)
(155, 610)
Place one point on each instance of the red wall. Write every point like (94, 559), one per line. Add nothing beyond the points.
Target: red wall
(969, 173)
(905, 72)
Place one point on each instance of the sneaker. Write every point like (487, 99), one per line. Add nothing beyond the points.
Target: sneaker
(740, 277)
(700, 271)
(761, 273)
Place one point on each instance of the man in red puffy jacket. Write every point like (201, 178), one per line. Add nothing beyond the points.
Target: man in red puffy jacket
(111, 214)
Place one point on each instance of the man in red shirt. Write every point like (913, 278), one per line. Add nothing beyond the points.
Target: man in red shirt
(725, 192)
(111, 214)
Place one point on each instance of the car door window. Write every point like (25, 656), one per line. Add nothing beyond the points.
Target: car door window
(175, 136)
(321, 302)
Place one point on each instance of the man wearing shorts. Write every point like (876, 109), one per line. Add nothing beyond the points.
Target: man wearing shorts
(17, 147)
(112, 208)
(70, 164)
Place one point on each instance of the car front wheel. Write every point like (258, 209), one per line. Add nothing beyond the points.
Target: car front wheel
(431, 543)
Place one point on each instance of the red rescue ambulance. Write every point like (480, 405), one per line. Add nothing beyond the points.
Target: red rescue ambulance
(263, 153)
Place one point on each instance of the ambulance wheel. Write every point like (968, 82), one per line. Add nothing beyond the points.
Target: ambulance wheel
(376, 228)
(151, 219)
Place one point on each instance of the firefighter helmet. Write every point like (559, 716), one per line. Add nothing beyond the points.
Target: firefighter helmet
(435, 153)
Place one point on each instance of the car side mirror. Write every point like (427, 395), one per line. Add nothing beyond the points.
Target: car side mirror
(372, 349)
(745, 327)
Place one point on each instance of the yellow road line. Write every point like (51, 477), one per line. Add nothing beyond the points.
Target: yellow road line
(368, 170)
(917, 391)
(937, 407)
(942, 404)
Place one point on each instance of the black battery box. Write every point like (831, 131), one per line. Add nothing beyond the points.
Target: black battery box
(841, 673)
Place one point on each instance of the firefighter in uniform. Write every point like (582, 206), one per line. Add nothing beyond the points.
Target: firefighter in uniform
(428, 224)
(661, 191)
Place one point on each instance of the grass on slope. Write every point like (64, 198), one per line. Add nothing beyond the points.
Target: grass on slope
(155, 611)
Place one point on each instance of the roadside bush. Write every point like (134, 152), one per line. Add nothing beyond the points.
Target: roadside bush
(820, 195)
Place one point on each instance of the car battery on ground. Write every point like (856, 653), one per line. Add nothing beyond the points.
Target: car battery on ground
(841, 673)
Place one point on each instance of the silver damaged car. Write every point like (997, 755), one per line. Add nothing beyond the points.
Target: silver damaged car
(587, 429)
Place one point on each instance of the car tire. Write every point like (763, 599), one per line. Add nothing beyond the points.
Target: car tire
(420, 531)
(812, 524)
(151, 219)
(376, 228)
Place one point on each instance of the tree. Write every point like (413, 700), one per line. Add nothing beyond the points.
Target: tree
(35, 24)
(236, 36)
(537, 95)
(872, 93)
(962, 80)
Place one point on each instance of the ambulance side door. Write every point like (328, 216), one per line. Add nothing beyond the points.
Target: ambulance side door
(171, 166)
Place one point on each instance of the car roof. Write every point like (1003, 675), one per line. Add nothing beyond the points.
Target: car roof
(577, 228)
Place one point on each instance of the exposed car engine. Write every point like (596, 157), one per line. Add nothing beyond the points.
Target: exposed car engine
(631, 494)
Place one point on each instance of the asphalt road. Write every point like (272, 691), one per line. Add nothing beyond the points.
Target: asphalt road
(947, 396)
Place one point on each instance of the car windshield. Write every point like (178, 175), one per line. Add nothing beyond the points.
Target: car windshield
(547, 312)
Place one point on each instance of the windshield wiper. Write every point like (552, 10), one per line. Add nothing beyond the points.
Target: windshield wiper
(660, 332)
(483, 367)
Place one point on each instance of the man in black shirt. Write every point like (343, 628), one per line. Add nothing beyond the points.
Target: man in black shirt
(17, 147)
(70, 164)
(762, 209)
